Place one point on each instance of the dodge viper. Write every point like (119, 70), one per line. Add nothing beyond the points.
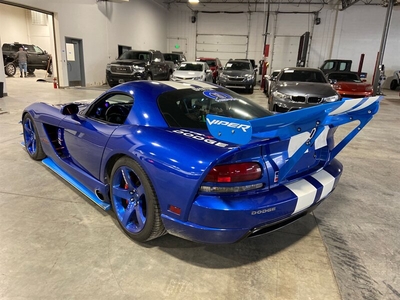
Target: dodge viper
(194, 159)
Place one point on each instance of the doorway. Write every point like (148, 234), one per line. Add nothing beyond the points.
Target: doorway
(75, 64)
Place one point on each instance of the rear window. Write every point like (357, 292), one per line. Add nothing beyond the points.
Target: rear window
(136, 55)
(188, 108)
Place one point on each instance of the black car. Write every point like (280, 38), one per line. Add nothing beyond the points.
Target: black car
(137, 64)
(176, 58)
(37, 58)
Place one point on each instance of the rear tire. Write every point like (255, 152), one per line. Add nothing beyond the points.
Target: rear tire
(31, 139)
(393, 84)
(134, 201)
(10, 69)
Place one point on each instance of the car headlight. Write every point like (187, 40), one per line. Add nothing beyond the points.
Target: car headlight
(108, 67)
(281, 96)
(198, 78)
(222, 76)
(337, 86)
(138, 69)
(248, 77)
(368, 89)
(331, 98)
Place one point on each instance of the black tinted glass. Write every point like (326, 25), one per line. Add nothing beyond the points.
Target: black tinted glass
(188, 108)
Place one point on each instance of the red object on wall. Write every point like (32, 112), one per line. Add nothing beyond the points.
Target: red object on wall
(266, 50)
(55, 82)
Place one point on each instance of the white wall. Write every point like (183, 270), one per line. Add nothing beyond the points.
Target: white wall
(143, 24)
(102, 25)
(341, 34)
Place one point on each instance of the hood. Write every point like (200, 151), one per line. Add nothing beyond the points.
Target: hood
(129, 62)
(306, 88)
(188, 74)
(353, 86)
(239, 73)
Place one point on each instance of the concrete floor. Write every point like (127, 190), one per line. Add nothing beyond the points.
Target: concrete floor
(56, 244)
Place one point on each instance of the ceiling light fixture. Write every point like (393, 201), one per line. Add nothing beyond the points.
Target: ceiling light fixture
(194, 1)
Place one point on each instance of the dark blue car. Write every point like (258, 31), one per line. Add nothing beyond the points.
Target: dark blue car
(193, 159)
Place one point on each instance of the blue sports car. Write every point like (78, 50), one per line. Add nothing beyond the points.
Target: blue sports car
(194, 159)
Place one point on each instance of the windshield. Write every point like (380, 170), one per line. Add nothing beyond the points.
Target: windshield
(347, 77)
(171, 57)
(237, 66)
(136, 55)
(191, 67)
(303, 76)
(188, 108)
(210, 62)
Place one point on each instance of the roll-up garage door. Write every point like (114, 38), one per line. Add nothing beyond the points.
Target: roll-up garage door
(216, 37)
(288, 30)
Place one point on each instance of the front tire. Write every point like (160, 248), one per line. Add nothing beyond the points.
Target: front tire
(393, 84)
(134, 201)
(31, 139)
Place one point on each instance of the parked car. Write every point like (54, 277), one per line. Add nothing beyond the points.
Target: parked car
(37, 58)
(176, 58)
(214, 64)
(136, 64)
(192, 159)
(269, 80)
(395, 81)
(193, 70)
(349, 85)
(300, 87)
(252, 61)
(238, 74)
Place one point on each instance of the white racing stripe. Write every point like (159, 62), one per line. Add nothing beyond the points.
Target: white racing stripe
(321, 139)
(296, 142)
(327, 180)
(305, 193)
(347, 105)
(188, 85)
(366, 103)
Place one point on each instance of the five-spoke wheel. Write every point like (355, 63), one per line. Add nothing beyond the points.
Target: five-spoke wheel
(31, 139)
(134, 201)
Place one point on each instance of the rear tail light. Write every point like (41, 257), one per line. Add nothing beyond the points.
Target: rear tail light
(234, 173)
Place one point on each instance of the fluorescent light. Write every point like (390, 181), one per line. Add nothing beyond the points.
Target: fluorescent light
(193, 1)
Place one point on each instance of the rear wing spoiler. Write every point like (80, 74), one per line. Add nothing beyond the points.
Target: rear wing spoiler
(305, 127)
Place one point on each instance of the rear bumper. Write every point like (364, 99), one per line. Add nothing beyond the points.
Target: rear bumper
(219, 220)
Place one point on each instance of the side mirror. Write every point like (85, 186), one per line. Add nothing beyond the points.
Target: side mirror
(70, 109)
(45, 52)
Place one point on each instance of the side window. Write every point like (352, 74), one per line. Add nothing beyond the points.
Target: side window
(30, 48)
(157, 56)
(112, 109)
(328, 66)
(38, 50)
(342, 66)
(6, 47)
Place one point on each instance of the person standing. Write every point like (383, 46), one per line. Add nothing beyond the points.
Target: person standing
(22, 57)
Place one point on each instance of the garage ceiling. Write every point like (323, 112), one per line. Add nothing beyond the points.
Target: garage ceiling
(254, 4)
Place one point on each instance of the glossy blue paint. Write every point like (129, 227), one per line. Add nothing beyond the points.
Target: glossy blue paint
(177, 160)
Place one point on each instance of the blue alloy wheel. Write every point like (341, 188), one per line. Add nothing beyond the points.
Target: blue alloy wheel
(134, 201)
(32, 143)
